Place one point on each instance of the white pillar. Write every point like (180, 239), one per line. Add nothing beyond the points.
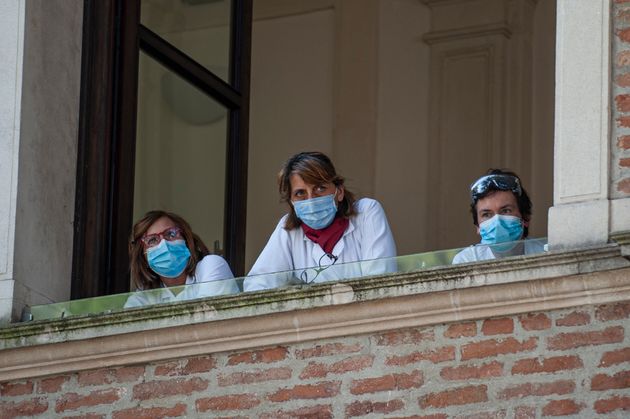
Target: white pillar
(581, 212)
(11, 51)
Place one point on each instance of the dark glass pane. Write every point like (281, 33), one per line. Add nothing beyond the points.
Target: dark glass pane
(199, 28)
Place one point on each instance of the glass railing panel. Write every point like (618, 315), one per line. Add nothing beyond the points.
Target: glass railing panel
(299, 277)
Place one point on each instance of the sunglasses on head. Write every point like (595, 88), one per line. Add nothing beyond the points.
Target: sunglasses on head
(494, 182)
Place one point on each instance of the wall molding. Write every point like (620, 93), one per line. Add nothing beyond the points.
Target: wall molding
(370, 305)
(491, 29)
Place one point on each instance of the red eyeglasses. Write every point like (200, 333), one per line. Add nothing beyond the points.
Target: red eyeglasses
(170, 234)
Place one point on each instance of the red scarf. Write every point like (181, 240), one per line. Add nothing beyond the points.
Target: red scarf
(327, 237)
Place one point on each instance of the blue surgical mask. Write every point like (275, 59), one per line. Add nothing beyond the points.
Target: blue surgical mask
(501, 229)
(168, 258)
(317, 213)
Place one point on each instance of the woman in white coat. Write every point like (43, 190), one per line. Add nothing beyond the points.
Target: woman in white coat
(325, 226)
(164, 252)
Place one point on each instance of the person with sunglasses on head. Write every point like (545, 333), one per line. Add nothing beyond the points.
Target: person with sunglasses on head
(325, 225)
(501, 211)
(164, 252)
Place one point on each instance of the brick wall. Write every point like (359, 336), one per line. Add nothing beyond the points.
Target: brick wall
(620, 164)
(568, 362)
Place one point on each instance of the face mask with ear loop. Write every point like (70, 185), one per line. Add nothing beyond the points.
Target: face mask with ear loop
(317, 213)
(501, 229)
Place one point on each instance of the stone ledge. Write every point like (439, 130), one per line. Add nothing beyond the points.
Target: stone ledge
(454, 293)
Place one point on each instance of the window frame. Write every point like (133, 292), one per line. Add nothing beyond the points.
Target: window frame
(112, 40)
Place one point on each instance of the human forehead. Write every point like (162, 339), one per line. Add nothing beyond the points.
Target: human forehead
(297, 182)
(160, 225)
(496, 200)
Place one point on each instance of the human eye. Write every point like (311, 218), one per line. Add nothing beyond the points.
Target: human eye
(299, 194)
(506, 211)
(151, 240)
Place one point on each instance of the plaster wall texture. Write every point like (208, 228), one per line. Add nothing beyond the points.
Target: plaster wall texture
(581, 150)
(48, 150)
(11, 50)
(561, 362)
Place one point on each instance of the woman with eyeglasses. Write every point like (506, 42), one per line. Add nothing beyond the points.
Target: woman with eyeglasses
(325, 225)
(501, 211)
(164, 253)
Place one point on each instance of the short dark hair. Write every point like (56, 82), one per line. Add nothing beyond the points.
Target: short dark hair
(314, 168)
(522, 200)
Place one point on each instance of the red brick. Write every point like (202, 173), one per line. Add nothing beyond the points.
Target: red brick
(327, 350)
(525, 412)
(553, 364)
(623, 59)
(70, 401)
(264, 356)
(623, 15)
(607, 382)
(624, 121)
(159, 389)
(623, 103)
(108, 376)
(612, 404)
(16, 389)
(10, 409)
(354, 363)
(186, 367)
(443, 354)
(458, 396)
(308, 391)
(623, 80)
(624, 162)
(497, 326)
(623, 142)
(624, 185)
(539, 321)
(577, 339)
(361, 408)
(460, 330)
(465, 372)
(151, 412)
(86, 416)
(53, 384)
(537, 389)
(624, 34)
(576, 318)
(616, 311)
(229, 402)
(402, 337)
(494, 347)
(435, 416)
(615, 357)
(562, 408)
(256, 376)
(320, 411)
(388, 382)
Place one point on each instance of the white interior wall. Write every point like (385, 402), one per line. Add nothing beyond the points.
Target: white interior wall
(403, 113)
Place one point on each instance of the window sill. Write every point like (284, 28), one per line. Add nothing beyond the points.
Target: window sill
(372, 304)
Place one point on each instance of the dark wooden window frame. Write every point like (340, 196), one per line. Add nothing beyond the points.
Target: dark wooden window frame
(112, 39)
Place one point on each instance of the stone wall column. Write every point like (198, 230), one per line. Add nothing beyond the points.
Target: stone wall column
(11, 49)
(581, 212)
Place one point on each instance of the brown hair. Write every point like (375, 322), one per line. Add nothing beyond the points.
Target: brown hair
(314, 168)
(143, 276)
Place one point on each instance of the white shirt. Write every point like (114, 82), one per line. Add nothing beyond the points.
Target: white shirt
(212, 277)
(367, 237)
(480, 252)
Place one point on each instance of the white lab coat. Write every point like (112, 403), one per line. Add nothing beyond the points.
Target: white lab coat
(212, 277)
(367, 237)
(480, 252)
